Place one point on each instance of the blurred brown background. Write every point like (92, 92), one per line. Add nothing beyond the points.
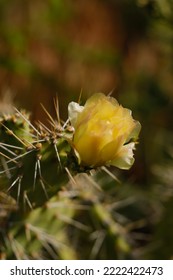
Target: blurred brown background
(64, 47)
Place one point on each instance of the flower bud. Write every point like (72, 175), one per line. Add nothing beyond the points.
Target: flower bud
(105, 132)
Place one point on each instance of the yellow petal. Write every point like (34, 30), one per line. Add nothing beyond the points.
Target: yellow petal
(110, 150)
(103, 130)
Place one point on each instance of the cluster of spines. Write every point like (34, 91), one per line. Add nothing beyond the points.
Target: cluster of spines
(24, 148)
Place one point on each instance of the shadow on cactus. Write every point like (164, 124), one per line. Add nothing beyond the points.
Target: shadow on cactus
(53, 200)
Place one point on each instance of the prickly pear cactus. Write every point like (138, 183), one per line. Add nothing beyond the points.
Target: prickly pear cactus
(52, 201)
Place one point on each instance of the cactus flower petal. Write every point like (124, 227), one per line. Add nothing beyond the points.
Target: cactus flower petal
(105, 132)
(124, 158)
(73, 110)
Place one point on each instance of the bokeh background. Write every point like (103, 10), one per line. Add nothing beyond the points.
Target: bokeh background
(66, 47)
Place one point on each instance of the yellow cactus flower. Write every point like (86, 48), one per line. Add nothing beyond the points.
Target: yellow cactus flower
(105, 132)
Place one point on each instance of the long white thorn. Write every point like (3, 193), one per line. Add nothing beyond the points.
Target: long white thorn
(9, 151)
(56, 104)
(6, 169)
(14, 248)
(15, 181)
(12, 133)
(61, 205)
(111, 92)
(20, 156)
(45, 127)
(73, 222)
(48, 249)
(28, 233)
(41, 180)
(4, 156)
(100, 236)
(44, 236)
(52, 122)
(11, 146)
(38, 141)
(58, 157)
(30, 124)
(35, 174)
(19, 188)
(110, 174)
(27, 200)
(44, 188)
(80, 96)
(70, 175)
(92, 181)
(66, 123)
